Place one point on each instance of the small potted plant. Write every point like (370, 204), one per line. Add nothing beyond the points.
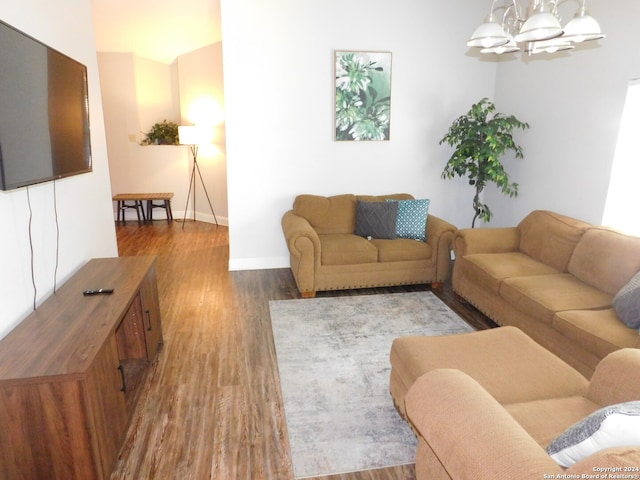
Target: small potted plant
(162, 133)
(480, 137)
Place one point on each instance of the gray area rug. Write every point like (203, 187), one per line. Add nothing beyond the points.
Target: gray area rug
(333, 358)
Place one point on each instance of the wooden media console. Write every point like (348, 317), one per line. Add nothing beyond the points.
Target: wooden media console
(70, 372)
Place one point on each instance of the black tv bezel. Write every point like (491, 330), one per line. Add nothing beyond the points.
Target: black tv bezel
(4, 185)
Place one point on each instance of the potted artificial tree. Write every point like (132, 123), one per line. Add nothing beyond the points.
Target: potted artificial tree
(480, 137)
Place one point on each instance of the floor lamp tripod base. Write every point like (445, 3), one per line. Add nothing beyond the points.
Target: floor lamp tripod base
(192, 186)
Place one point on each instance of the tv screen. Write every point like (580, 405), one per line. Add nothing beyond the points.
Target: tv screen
(44, 112)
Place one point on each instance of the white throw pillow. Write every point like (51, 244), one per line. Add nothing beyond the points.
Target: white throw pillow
(613, 426)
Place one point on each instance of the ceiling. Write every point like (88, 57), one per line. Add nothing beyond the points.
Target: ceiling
(160, 30)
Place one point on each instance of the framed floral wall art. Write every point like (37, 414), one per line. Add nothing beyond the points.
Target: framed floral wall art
(363, 95)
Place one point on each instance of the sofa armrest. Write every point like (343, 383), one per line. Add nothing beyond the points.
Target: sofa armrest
(472, 435)
(615, 379)
(440, 238)
(304, 249)
(486, 240)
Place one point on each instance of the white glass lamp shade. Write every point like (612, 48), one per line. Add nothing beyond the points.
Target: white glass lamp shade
(549, 46)
(194, 134)
(581, 28)
(488, 35)
(508, 47)
(539, 26)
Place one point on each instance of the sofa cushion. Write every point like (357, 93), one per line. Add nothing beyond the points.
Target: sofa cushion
(598, 331)
(412, 218)
(606, 259)
(545, 419)
(550, 237)
(626, 303)
(489, 269)
(541, 296)
(376, 219)
(402, 249)
(346, 249)
(488, 357)
(612, 426)
(335, 214)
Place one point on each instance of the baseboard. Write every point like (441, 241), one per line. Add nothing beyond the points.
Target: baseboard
(177, 216)
(200, 217)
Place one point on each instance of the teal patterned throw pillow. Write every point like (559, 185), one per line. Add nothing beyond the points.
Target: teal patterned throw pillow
(412, 218)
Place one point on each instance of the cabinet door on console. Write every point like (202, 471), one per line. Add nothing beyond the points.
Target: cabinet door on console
(64, 428)
(151, 314)
(31, 419)
(130, 333)
(106, 408)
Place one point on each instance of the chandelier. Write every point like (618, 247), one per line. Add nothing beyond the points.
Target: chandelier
(508, 28)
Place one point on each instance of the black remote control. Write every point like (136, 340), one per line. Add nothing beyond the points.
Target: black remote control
(98, 291)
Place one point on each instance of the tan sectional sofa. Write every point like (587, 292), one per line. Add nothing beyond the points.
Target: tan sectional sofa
(326, 254)
(554, 277)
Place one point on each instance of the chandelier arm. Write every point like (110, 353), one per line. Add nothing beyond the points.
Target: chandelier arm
(519, 17)
(507, 7)
(580, 12)
(493, 9)
(581, 2)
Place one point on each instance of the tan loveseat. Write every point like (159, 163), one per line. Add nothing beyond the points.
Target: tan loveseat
(554, 277)
(465, 433)
(325, 253)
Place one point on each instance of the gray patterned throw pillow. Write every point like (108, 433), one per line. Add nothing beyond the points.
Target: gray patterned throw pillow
(626, 303)
(613, 426)
(376, 219)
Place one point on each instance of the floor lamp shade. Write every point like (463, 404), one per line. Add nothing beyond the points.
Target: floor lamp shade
(194, 134)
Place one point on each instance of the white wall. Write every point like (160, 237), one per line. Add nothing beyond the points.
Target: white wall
(83, 202)
(157, 92)
(279, 89)
(202, 103)
(574, 105)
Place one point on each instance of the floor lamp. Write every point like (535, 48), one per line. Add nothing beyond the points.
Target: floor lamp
(194, 135)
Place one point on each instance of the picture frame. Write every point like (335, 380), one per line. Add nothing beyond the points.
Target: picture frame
(362, 95)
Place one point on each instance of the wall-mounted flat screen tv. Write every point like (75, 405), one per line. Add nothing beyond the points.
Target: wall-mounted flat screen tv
(44, 112)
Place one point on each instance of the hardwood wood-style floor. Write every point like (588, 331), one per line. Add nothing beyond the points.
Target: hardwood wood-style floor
(211, 407)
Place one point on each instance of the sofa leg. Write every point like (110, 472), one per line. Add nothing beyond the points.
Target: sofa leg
(437, 285)
(308, 294)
